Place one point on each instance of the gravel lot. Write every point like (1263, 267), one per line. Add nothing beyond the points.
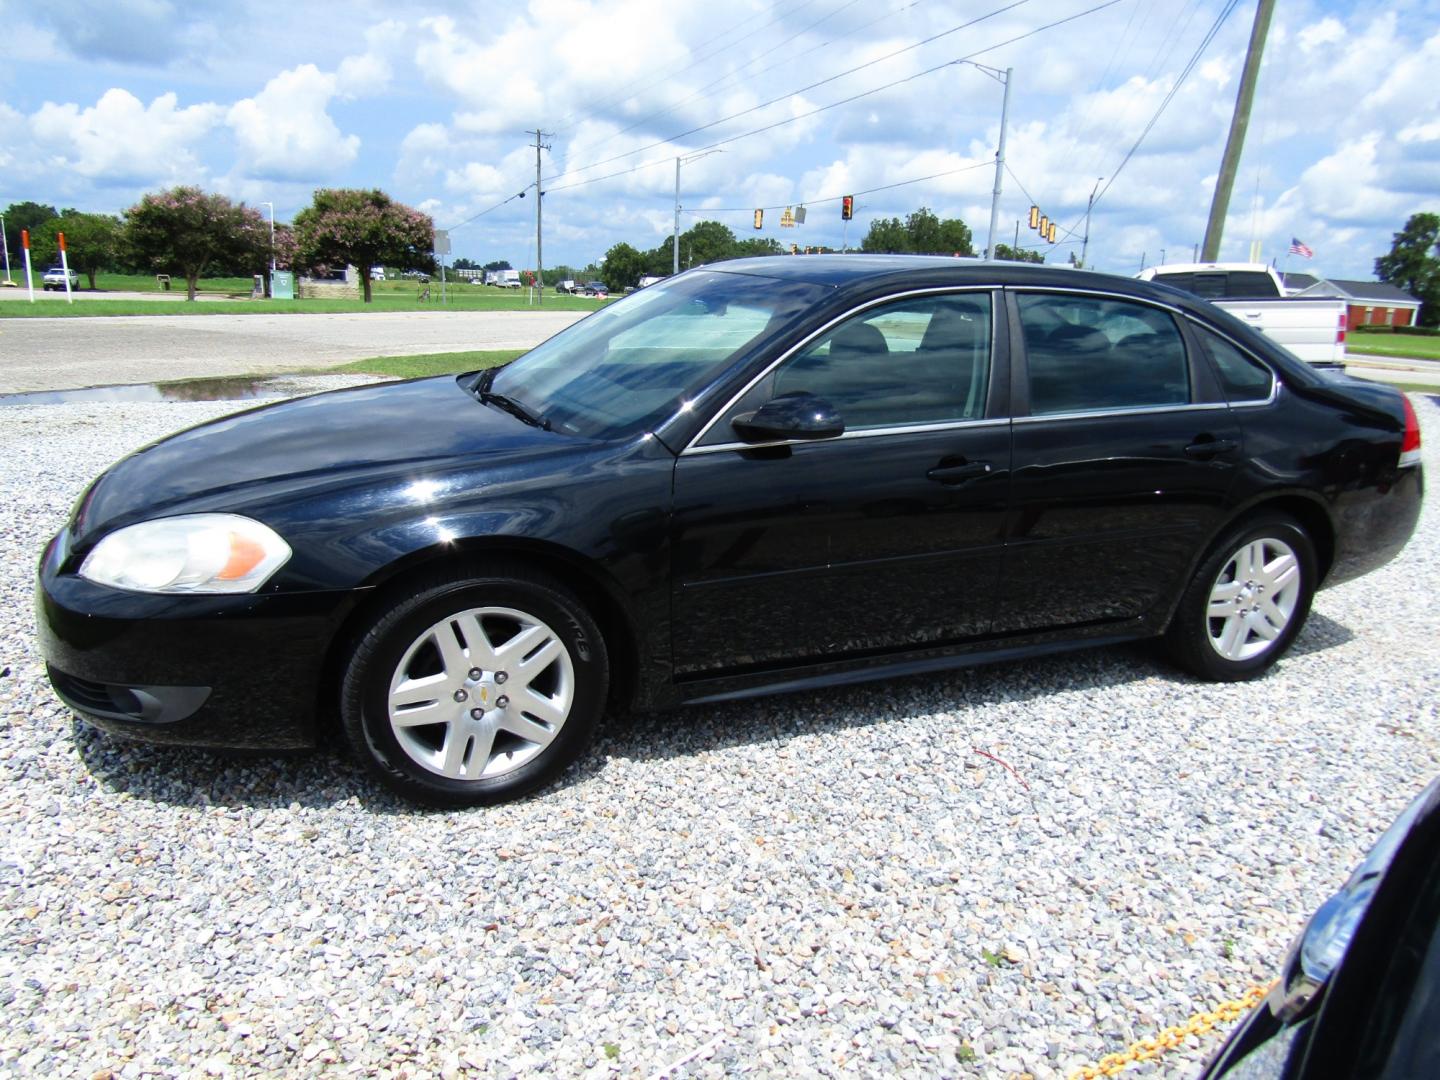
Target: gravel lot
(829, 884)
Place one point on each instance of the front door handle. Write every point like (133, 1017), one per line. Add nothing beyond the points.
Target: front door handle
(959, 474)
(1204, 447)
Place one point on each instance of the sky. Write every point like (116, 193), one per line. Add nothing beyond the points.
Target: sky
(102, 101)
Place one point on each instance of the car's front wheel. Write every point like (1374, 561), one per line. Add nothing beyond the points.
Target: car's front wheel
(475, 691)
(1247, 601)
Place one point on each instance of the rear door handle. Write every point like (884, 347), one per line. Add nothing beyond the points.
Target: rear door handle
(959, 474)
(1204, 448)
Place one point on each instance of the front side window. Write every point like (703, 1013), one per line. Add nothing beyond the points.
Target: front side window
(922, 360)
(1088, 354)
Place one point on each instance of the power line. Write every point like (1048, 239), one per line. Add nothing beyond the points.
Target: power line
(625, 94)
(804, 89)
(842, 101)
(835, 198)
(1179, 82)
(788, 60)
(487, 210)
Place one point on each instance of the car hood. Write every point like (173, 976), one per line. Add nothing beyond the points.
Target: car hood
(402, 430)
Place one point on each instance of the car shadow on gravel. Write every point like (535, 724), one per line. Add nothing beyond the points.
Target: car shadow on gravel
(326, 778)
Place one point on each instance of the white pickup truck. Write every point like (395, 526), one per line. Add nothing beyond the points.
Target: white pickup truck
(1313, 328)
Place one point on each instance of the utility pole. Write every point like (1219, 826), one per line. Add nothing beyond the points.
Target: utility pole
(1085, 243)
(999, 159)
(539, 261)
(675, 236)
(1230, 163)
(6, 245)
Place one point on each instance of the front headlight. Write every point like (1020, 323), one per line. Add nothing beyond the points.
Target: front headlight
(197, 553)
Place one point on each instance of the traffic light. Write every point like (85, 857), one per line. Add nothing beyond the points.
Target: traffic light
(1051, 234)
(1034, 217)
(1044, 225)
(759, 219)
(794, 249)
(847, 208)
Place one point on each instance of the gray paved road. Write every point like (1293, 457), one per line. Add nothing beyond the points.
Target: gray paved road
(62, 354)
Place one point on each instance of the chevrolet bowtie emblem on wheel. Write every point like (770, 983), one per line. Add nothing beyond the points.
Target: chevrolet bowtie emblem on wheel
(484, 696)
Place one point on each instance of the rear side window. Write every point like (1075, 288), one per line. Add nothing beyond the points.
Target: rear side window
(1087, 354)
(1242, 377)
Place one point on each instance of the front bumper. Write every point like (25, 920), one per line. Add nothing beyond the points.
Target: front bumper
(235, 672)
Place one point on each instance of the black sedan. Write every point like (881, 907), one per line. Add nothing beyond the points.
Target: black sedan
(1360, 992)
(769, 475)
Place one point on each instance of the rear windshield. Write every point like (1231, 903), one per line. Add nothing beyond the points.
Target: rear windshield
(1224, 284)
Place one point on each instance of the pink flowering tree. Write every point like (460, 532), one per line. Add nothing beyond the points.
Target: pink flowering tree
(185, 231)
(366, 228)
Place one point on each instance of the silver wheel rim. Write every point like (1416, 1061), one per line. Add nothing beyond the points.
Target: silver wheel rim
(480, 693)
(1253, 599)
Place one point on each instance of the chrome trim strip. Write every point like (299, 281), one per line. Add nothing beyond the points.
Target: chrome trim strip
(1142, 410)
(989, 290)
(863, 433)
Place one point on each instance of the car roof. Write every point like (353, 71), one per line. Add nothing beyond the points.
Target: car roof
(848, 270)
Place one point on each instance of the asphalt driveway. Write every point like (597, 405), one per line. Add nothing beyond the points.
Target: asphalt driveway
(68, 353)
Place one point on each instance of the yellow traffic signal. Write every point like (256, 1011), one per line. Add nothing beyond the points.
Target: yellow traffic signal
(1044, 225)
(759, 219)
(1051, 234)
(1034, 217)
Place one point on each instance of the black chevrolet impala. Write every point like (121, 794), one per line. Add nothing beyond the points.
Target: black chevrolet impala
(761, 476)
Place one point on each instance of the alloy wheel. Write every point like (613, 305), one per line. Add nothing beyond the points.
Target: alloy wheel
(480, 693)
(1253, 598)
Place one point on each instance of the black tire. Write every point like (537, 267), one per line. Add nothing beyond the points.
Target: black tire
(392, 639)
(1194, 639)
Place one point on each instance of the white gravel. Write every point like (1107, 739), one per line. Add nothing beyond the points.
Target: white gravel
(831, 884)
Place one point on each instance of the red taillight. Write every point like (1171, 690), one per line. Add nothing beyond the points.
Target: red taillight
(1410, 445)
(1340, 330)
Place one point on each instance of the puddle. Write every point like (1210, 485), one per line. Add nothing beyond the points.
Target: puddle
(188, 390)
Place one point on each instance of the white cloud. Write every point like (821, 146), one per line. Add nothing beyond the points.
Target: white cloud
(120, 141)
(285, 133)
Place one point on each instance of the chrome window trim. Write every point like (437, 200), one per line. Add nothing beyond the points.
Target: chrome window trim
(1139, 410)
(863, 433)
(1275, 381)
(989, 290)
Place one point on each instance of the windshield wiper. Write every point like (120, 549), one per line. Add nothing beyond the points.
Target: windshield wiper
(481, 389)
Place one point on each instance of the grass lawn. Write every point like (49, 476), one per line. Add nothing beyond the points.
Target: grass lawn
(414, 367)
(231, 296)
(1402, 346)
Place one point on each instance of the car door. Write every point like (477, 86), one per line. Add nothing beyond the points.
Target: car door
(886, 537)
(1124, 456)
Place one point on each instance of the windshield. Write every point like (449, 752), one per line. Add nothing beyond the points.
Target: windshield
(635, 363)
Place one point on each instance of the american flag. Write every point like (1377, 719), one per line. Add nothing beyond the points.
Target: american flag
(1297, 248)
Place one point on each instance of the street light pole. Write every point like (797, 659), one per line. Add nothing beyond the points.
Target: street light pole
(1004, 78)
(675, 235)
(6, 245)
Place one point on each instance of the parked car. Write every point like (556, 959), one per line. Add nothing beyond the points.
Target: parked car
(596, 288)
(54, 278)
(566, 286)
(1359, 994)
(775, 475)
(1313, 328)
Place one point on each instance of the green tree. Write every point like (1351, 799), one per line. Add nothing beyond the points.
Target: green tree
(185, 231)
(923, 229)
(955, 238)
(24, 215)
(1006, 252)
(1412, 264)
(92, 242)
(498, 264)
(366, 228)
(706, 242)
(757, 245)
(886, 236)
(623, 267)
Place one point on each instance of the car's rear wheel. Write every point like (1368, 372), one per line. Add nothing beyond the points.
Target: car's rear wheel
(475, 691)
(1247, 601)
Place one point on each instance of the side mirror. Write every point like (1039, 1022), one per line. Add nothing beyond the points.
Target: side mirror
(790, 416)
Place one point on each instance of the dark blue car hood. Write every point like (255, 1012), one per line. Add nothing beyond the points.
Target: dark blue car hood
(362, 434)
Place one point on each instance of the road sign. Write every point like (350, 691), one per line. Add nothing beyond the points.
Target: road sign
(442, 242)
